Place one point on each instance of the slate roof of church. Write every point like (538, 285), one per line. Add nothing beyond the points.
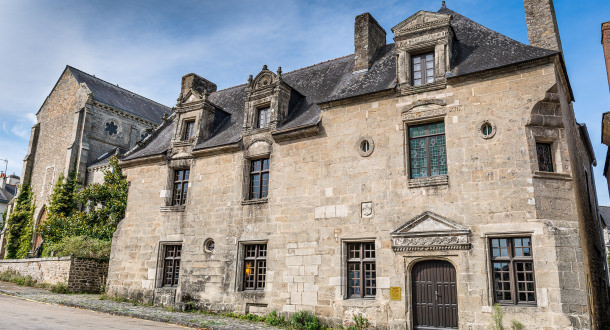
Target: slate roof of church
(121, 98)
(8, 193)
(475, 49)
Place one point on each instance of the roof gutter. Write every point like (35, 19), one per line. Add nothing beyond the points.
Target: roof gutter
(140, 161)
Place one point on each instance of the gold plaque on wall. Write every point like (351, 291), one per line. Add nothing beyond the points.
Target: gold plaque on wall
(395, 293)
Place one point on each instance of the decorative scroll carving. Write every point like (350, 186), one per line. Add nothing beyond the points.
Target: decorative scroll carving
(410, 114)
(430, 232)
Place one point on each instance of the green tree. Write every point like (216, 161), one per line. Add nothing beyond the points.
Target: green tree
(20, 222)
(62, 204)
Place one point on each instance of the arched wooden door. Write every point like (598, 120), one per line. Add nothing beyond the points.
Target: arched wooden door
(434, 295)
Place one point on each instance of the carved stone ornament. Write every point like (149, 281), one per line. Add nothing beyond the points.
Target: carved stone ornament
(430, 232)
(367, 210)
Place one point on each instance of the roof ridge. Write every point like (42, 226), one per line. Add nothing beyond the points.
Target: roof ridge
(310, 66)
(117, 86)
(225, 89)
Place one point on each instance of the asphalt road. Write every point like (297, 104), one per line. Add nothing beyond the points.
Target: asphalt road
(16, 313)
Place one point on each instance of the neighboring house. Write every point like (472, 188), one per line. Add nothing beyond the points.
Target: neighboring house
(8, 189)
(418, 182)
(82, 122)
(604, 212)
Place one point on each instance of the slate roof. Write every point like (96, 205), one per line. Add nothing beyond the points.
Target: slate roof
(121, 98)
(476, 48)
(604, 211)
(105, 157)
(7, 193)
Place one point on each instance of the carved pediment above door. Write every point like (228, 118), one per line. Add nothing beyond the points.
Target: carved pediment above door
(430, 232)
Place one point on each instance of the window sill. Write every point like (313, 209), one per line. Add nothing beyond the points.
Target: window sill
(255, 201)
(166, 288)
(407, 89)
(175, 208)
(552, 176)
(429, 181)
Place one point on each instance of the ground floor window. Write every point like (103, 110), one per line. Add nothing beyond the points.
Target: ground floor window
(513, 270)
(255, 266)
(171, 265)
(361, 271)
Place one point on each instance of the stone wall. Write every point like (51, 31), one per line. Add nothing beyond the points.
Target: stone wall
(606, 45)
(80, 274)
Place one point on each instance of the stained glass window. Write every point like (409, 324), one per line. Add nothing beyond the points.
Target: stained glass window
(513, 270)
(422, 69)
(427, 151)
(545, 158)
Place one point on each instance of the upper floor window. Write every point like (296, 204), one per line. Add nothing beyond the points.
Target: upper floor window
(422, 68)
(361, 271)
(263, 117)
(259, 178)
(189, 128)
(545, 157)
(513, 270)
(255, 266)
(181, 183)
(427, 152)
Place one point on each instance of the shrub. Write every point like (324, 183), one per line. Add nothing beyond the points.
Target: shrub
(305, 320)
(79, 246)
(516, 325)
(59, 288)
(361, 322)
(13, 276)
(276, 320)
(496, 318)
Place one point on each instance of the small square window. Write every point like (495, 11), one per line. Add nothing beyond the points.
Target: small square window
(180, 187)
(171, 265)
(545, 157)
(259, 178)
(189, 128)
(255, 266)
(422, 69)
(264, 117)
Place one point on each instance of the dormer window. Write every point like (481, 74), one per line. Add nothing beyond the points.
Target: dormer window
(264, 117)
(423, 69)
(189, 128)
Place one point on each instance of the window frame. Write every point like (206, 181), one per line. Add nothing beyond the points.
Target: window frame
(260, 172)
(423, 68)
(175, 272)
(548, 145)
(361, 261)
(181, 200)
(267, 122)
(426, 136)
(511, 259)
(257, 260)
(188, 131)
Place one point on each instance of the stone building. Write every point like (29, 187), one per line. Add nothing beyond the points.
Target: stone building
(8, 188)
(80, 125)
(417, 182)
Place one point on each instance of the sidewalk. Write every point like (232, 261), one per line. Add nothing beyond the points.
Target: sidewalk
(93, 302)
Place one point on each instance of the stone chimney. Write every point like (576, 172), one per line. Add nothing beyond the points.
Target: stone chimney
(606, 45)
(541, 23)
(197, 83)
(369, 36)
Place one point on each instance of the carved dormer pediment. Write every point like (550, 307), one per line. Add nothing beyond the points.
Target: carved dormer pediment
(267, 101)
(421, 21)
(429, 232)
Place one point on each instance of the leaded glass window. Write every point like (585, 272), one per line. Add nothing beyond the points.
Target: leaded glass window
(255, 266)
(171, 265)
(513, 270)
(422, 69)
(361, 271)
(427, 151)
(545, 158)
(259, 178)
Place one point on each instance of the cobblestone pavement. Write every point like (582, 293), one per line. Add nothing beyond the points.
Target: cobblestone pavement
(93, 302)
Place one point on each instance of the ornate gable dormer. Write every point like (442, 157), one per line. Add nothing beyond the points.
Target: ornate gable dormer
(267, 102)
(425, 39)
(194, 115)
(430, 232)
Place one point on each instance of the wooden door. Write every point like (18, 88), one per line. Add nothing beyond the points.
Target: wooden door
(434, 295)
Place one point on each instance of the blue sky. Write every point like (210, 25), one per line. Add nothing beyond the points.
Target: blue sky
(147, 46)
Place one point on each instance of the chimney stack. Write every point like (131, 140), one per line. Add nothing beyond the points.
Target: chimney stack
(541, 23)
(197, 83)
(606, 45)
(369, 36)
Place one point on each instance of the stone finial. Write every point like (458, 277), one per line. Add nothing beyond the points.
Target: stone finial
(165, 116)
(250, 81)
(179, 99)
(443, 5)
(279, 72)
(265, 67)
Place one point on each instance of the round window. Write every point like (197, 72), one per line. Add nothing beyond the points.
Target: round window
(365, 146)
(111, 128)
(209, 245)
(486, 129)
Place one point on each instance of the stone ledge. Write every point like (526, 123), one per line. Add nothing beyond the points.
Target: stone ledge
(552, 176)
(178, 208)
(438, 180)
(255, 201)
(410, 90)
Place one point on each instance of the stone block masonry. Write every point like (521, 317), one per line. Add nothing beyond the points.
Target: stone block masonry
(606, 44)
(79, 274)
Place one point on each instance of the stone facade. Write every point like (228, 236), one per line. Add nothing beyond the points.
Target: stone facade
(328, 190)
(79, 274)
(606, 45)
